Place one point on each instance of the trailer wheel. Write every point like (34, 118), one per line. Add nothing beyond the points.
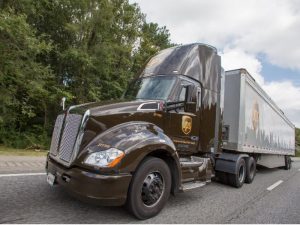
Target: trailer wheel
(149, 189)
(250, 170)
(288, 163)
(237, 180)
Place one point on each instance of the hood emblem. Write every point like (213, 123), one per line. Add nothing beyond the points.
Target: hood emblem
(186, 125)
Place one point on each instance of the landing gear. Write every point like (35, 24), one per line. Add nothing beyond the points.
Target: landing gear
(288, 162)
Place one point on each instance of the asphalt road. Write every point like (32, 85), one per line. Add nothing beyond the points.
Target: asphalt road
(29, 199)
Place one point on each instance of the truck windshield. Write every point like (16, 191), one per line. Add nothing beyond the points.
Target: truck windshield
(154, 88)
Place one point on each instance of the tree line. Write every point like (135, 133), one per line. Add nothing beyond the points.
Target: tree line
(298, 138)
(85, 50)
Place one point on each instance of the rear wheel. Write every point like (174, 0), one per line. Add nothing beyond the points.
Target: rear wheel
(250, 170)
(238, 179)
(149, 189)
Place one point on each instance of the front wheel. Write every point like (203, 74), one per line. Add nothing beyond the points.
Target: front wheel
(150, 188)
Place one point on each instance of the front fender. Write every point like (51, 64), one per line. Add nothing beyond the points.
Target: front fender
(137, 139)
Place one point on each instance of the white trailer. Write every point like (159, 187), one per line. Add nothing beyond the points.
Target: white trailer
(253, 123)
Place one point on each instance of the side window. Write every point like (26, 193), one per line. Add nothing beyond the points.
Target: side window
(183, 89)
(182, 94)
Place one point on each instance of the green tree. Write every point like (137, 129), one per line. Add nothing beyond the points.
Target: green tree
(298, 137)
(86, 50)
(151, 40)
(24, 91)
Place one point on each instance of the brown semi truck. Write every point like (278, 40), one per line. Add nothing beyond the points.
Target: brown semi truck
(181, 122)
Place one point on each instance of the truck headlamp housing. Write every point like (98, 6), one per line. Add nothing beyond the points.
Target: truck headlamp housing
(107, 158)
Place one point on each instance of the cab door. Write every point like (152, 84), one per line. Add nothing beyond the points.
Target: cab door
(184, 124)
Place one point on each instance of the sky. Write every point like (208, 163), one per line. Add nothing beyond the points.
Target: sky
(260, 35)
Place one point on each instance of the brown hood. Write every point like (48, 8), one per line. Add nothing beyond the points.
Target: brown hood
(114, 107)
(105, 115)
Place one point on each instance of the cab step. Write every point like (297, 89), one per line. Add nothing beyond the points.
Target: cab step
(190, 164)
(189, 186)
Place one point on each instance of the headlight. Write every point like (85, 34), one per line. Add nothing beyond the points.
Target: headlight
(107, 158)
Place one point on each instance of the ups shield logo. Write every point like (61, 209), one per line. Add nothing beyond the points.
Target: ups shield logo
(186, 124)
(255, 116)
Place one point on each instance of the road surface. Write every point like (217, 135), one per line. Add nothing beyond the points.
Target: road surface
(273, 197)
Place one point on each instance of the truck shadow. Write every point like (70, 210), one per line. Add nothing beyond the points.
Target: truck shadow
(265, 170)
(91, 212)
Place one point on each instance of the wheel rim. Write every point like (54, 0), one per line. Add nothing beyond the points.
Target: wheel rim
(152, 189)
(241, 174)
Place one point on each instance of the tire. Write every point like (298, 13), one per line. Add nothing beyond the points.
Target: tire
(288, 163)
(152, 176)
(250, 170)
(237, 180)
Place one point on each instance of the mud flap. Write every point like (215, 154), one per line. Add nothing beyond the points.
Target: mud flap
(227, 162)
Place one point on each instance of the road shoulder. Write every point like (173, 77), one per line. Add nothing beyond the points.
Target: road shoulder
(21, 164)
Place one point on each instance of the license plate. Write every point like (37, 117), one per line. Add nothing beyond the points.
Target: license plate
(50, 179)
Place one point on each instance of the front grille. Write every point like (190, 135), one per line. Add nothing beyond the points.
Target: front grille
(56, 134)
(69, 136)
(64, 136)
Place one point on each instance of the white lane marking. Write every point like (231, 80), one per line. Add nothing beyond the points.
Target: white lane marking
(274, 185)
(21, 174)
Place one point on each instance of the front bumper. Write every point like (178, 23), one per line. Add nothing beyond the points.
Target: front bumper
(87, 186)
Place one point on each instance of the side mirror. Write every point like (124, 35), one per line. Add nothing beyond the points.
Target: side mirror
(189, 106)
(187, 93)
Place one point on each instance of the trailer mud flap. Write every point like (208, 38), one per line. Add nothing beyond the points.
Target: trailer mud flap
(226, 162)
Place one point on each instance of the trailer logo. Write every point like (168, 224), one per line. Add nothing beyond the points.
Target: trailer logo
(186, 124)
(255, 116)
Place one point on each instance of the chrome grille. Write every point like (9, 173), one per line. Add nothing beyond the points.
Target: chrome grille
(69, 136)
(56, 134)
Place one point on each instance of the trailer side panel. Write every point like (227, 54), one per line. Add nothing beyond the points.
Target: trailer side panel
(262, 126)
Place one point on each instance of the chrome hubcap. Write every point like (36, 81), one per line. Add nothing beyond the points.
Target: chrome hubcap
(152, 189)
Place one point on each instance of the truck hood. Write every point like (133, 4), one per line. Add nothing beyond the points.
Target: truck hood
(108, 114)
(116, 107)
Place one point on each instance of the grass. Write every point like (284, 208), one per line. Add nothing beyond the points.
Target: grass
(7, 151)
(298, 151)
